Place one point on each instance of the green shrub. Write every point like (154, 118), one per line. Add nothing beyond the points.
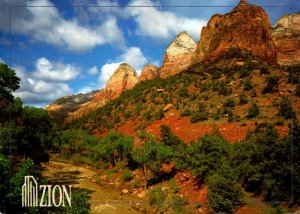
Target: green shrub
(216, 74)
(173, 186)
(147, 115)
(243, 99)
(253, 111)
(186, 112)
(229, 103)
(177, 204)
(243, 72)
(205, 86)
(159, 114)
(216, 116)
(264, 70)
(286, 108)
(157, 196)
(126, 175)
(183, 92)
(199, 116)
(272, 85)
(117, 119)
(247, 85)
(222, 89)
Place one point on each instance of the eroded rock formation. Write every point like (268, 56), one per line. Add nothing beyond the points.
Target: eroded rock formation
(178, 55)
(149, 72)
(286, 35)
(247, 26)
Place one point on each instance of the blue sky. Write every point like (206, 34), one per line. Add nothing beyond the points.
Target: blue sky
(59, 48)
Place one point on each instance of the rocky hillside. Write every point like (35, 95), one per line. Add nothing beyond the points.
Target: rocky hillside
(286, 35)
(178, 55)
(60, 108)
(246, 27)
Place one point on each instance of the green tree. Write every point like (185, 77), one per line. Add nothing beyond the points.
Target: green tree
(223, 191)
(8, 82)
(150, 157)
(167, 137)
(204, 156)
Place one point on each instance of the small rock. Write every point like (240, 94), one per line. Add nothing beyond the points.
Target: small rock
(124, 192)
(167, 107)
(240, 63)
(142, 194)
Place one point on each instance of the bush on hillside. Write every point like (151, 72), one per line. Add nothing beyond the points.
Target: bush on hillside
(271, 86)
(243, 99)
(253, 111)
(286, 108)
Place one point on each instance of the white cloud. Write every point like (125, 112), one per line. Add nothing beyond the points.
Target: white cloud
(1, 60)
(45, 24)
(34, 90)
(55, 91)
(56, 71)
(87, 89)
(133, 56)
(93, 70)
(162, 24)
(107, 70)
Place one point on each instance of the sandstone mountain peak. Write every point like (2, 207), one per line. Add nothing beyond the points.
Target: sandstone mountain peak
(178, 55)
(183, 43)
(244, 28)
(243, 3)
(149, 72)
(286, 35)
(125, 77)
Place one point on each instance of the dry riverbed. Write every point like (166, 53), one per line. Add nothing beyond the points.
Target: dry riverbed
(105, 196)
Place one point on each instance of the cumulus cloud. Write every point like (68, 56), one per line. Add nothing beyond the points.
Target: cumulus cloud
(1, 60)
(56, 71)
(133, 56)
(107, 70)
(46, 24)
(93, 70)
(89, 88)
(35, 89)
(162, 24)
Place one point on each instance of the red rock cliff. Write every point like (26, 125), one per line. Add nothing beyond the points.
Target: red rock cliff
(149, 72)
(246, 26)
(286, 35)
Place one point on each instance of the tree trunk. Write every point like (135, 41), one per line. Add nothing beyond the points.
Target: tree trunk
(145, 178)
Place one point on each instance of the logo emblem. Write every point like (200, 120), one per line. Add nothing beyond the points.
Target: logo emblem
(49, 196)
